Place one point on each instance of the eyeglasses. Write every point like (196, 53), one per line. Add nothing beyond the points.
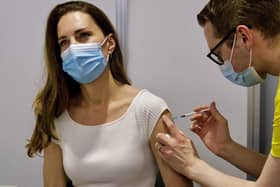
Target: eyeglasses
(214, 56)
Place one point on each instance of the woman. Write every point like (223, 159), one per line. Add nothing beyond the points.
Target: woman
(91, 123)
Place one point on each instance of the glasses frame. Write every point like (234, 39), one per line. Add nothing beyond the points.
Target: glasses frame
(212, 51)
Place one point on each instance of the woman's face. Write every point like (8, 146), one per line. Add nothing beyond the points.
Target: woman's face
(78, 27)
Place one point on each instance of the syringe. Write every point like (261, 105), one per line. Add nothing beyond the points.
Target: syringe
(189, 114)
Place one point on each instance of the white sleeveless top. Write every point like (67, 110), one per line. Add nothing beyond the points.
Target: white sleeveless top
(114, 154)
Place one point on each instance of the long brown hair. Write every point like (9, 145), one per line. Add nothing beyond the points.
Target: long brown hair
(59, 88)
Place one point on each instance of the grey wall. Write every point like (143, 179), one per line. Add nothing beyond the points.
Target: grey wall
(268, 90)
(166, 55)
(21, 60)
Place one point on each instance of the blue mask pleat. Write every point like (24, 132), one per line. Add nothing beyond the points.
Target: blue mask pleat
(84, 62)
(248, 77)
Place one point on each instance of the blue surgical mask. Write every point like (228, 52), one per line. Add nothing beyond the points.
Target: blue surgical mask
(248, 77)
(84, 62)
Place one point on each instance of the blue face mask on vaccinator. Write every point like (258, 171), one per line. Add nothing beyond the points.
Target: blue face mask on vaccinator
(248, 77)
(84, 62)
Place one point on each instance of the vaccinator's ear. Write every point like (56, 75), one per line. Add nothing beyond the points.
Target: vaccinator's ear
(245, 36)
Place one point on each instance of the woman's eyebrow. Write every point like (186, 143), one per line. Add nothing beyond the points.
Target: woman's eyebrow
(76, 32)
(80, 30)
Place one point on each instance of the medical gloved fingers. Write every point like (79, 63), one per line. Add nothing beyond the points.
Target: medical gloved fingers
(196, 129)
(215, 112)
(201, 107)
(201, 117)
(174, 131)
(164, 139)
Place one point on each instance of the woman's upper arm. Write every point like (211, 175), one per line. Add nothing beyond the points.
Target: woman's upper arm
(170, 177)
(53, 171)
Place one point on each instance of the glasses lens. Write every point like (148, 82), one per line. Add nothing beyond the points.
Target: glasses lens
(216, 59)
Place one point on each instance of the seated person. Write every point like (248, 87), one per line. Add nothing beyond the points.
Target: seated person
(92, 125)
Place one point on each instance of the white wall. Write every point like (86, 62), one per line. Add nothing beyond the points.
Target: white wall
(21, 61)
(166, 54)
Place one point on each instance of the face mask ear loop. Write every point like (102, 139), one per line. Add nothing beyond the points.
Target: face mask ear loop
(251, 51)
(108, 57)
(103, 42)
(105, 39)
(232, 49)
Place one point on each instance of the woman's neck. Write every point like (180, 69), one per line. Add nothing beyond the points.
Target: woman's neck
(99, 92)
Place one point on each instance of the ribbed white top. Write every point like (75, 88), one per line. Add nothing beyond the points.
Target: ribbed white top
(114, 154)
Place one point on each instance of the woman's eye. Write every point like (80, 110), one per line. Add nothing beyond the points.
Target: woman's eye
(84, 35)
(62, 43)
